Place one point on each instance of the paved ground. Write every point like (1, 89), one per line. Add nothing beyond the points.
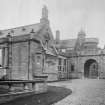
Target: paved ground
(85, 92)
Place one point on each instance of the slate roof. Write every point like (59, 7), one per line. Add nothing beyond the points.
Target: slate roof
(68, 43)
(22, 30)
(94, 40)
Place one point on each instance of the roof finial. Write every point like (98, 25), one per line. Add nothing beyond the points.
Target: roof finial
(44, 12)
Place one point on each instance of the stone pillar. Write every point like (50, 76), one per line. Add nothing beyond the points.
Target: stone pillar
(25, 87)
(63, 67)
(29, 71)
(9, 56)
(5, 56)
(82, 68)
(68, 68)
(101, 67)
(2, 52)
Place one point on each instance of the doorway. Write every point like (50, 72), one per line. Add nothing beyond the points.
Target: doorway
(91, 69)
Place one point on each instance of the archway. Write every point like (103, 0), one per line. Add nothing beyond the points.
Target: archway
(91, 69)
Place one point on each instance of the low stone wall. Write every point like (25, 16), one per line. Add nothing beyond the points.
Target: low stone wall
(38, 89)
(21, 91)
(12, 95)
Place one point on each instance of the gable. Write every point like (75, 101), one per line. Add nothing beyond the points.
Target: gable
(46, 38)
(41, 32)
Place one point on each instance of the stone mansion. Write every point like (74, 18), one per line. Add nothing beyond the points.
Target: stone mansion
(31, 51)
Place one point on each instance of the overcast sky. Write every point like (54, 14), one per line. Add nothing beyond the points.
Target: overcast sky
(69, 16)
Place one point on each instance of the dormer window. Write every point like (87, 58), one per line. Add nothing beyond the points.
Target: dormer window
(23, 29)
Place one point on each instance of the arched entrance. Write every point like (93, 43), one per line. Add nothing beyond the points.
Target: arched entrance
(91, 69)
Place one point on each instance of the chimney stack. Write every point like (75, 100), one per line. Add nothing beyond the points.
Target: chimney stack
(57, 36)
(44, 18)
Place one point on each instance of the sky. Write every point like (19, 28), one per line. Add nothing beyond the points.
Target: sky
(68, 16)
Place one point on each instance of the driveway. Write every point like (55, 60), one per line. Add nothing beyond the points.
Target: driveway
(84, 92)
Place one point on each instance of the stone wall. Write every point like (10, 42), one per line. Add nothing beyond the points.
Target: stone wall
(80, 61)
(20, 61)
(51, 68)
(36, 58)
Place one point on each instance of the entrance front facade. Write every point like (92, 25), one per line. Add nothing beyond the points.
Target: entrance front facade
(91, 69)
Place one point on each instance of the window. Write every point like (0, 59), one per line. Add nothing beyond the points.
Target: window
(59, 61)
(38, 59)
(65, 62)
(2, 54)
(72, 68)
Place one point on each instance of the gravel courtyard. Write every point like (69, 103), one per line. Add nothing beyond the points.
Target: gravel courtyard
(84, 92)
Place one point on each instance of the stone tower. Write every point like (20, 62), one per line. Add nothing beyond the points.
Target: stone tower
(80, 40)
(81, 36)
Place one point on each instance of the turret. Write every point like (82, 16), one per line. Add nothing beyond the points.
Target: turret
(80, 40)
(81, 36)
